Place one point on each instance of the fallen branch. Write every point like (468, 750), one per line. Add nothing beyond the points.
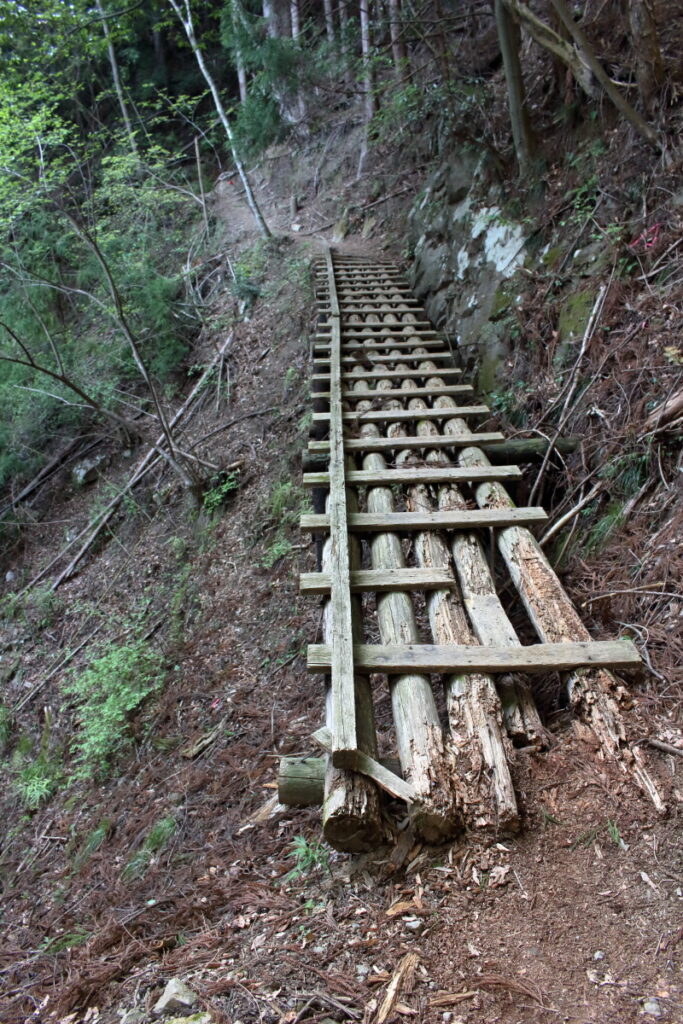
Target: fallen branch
(667, 748)
(664, 413)
(231, 423)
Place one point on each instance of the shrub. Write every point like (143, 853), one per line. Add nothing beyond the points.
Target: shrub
(106, 693)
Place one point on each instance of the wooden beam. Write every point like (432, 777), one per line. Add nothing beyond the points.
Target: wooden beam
(343, 687)
(403, 357)
(450, 371)
(398, 522)
(561, 657)
(436, 474)
(387, 444)
(446, 389)
(397, 415)
(378, 581)
(320, 344)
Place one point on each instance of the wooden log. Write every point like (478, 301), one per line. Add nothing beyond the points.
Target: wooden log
(489, 621)
(301, 780)
(401, 415)
(474, 709)
(524, 450)
(426, 758)
(594, 693)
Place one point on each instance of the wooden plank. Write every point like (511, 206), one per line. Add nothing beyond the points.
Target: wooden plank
(446, 371)
(402, 357)
(357, 761)
(435, 474)
(402, 415)
(457, 519)
(342, 683)
(390, 341)
(388, 395)
(379, 581)
(561, 657)
(388, 444)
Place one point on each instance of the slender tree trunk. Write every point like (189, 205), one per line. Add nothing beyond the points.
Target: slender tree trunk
(509, 38)
(235, 17)
(329, 21)
(187, 23)
(649, 65)
(117, 79)
(398, 47)
(295, 19)
(160, 55)
(365, 43)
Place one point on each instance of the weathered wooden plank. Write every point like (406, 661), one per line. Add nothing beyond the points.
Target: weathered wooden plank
(402, 415)
(320, 344)
(403, 357)
(435, 474)
(398, 658)
(446, 389)
(343, 689)
(387, 444)
(398, 522)
(446, 371)
(357, 761)
(379, 580)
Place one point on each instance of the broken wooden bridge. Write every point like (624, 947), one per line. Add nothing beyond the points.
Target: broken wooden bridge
(420, 537)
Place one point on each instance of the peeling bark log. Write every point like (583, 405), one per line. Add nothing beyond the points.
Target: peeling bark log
(594, 693)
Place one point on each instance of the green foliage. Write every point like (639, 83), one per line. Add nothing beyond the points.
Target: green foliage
(605, 526)
(308, 857)
(37, 781)
(157, 839)
(280, 548)
(287, 503)
(221, 487)
(70, 940)
(511, 403)
(5, 727)
(92, 843)
(105, 694)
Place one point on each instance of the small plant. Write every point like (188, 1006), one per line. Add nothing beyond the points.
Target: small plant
(277, 550)
(37, 781)
(221, 487)
(70, 940)
(92, 844)
(157, 839)
(615, 835)
(5, 727)
(308, 857)
(106, 693)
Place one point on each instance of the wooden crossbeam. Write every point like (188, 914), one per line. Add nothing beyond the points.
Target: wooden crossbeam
(409, 415)
(446, 371)
(372, 345)
(380, 580)
(417, 475)
(456, 519)
(390, 444)
(403, 357)
(370, 393)
(451, 658)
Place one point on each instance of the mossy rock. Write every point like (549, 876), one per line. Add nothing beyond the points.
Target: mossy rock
(574, 314)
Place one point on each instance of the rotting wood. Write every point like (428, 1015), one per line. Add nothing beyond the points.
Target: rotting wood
(426, 758)
(594, 693)
(474, 709)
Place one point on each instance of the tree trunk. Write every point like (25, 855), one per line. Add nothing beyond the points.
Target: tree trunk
(295, 18)
(117, 79)
(368, 76)
(187, 23)
(239, 60)
(329, 21)
(649, 65)
(508, 37)
(398, 47)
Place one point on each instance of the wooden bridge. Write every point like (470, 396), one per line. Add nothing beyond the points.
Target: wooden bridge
(421, 536)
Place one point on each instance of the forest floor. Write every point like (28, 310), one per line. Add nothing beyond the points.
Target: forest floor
(579, 918)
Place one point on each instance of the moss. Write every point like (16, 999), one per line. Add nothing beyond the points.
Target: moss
(552, 256)
(574, 314)
(489, 370)
(500, 304)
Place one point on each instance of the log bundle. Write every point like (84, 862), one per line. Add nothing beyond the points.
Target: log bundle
(418, 531)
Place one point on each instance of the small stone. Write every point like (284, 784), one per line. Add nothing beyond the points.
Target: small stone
(362, 969)
(413, 924)
(598, 955)
(653, 1007)
(9, 576)
(195, 1018)
(177, 996)
(133, 1017)
(87, 471)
